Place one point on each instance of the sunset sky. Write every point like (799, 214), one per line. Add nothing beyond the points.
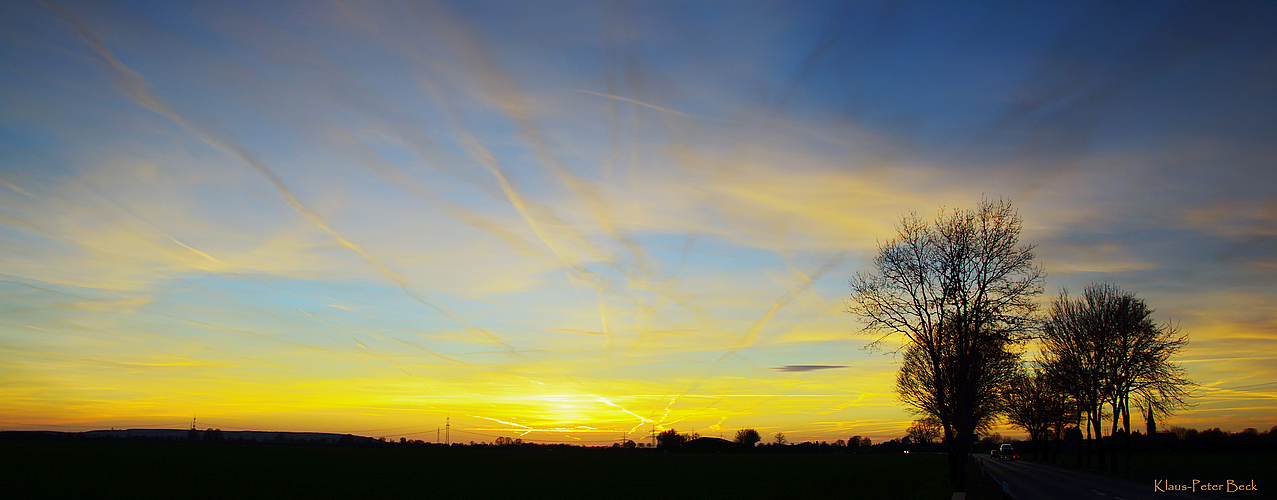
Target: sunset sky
(576, 221)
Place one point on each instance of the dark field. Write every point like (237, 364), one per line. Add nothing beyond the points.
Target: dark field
(1215, 468)
(89, 468)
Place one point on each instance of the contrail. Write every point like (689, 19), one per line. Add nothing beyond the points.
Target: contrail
(361, 344)
(636, 102)
(529, 211)
(94, 189)
(107, 340)
(513, 104)
(139, 90)
(507, 98)
(14, 187)
(202, 346)
(166, 336)
(751, 335)
(522, 205)
(267, 338)
(395, 176)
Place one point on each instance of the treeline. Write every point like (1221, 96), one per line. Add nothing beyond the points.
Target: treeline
(1179, 439)
(1174, 439)
(1214, 440)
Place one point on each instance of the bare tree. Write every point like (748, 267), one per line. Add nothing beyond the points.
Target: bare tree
(1108, 350)
(1076, 351)
(924, 430)
(1144, 371)
(780, 439)
(960, 291)
(1036, 403)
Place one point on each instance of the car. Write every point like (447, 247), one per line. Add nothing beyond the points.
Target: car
(1006, 452)
(993, 452)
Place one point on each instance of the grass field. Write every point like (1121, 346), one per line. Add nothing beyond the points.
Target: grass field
(171, 470)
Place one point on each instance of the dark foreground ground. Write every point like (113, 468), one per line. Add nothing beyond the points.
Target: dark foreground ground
(1034, 480)
(1183, 468)
(122, 469)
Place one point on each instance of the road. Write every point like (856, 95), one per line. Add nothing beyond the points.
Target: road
(1032, 481)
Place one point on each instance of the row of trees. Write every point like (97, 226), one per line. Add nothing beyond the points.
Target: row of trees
(1102, 355)
(745, 438)
(960, 293)
(1130, 362)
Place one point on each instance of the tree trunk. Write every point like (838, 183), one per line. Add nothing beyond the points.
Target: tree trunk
(951, 443)
(1113, 450)
(1126, 421)
(1089, 444)
(962, 456)
(1098, 422)
(1059, 443)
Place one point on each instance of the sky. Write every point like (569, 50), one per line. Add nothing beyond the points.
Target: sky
(582, 221)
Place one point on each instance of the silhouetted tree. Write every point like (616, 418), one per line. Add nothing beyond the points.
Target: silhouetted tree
(960, 290)
(1106, 348)
(748, 437)
(212, 435)
(629, 444)
(779, 438)
(1035, 403)
(924, 430)
(669, 439)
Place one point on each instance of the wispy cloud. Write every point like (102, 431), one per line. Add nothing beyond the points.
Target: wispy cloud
(805, 368)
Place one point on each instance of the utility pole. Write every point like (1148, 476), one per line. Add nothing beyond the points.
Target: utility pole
(447, 431)
(437, 434)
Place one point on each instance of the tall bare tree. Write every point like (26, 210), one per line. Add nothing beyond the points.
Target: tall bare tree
(960, 291)
(1107, 349)
(1076, 351)
(1144, 371)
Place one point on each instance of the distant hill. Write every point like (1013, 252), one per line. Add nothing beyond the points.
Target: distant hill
(181, 434)
(712, 444)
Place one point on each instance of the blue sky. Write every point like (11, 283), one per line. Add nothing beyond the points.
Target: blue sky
(569, 221)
